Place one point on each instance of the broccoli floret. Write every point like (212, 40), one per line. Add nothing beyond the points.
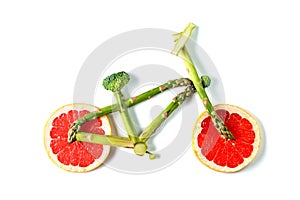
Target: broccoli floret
(115, 82)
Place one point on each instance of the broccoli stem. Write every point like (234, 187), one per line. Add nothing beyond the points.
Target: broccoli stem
(181, 50)
(131, 131)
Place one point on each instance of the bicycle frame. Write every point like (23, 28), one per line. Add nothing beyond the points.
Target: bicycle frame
(127, 142)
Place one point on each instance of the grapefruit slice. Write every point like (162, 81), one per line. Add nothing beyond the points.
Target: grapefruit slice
(219, 153)
(77, 156)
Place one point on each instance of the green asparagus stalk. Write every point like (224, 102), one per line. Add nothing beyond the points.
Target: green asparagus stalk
(104, 139)
(180, 49)
(140, 148)
(176, 102)
(75, 127)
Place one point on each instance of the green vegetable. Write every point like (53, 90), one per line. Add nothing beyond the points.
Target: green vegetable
(75, 127)
(115, 82)
(181, 50)
(176, 102)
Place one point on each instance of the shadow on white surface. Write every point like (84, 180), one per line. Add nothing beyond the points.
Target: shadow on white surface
(262, 150)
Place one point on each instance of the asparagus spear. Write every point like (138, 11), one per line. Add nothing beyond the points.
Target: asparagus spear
(176, 102)
(104, 139)
(180, 49)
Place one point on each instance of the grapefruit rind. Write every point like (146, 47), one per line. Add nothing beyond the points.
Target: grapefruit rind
(47, 139)
(256, 144)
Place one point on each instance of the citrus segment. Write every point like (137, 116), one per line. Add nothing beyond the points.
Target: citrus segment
(222, 154)
(76, 156)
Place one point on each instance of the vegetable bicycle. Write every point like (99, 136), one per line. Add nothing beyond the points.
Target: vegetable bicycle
(226, 138)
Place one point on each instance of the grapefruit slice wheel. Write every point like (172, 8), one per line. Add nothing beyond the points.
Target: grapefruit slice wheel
(77, 156)
(219, 153)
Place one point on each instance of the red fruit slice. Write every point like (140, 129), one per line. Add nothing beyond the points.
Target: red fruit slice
(223, 154)
(77, 156)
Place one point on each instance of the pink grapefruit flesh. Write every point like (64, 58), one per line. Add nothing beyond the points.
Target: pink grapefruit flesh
(223, 154)
(76, 156)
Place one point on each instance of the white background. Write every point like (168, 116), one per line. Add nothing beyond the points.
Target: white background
(254, 44)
